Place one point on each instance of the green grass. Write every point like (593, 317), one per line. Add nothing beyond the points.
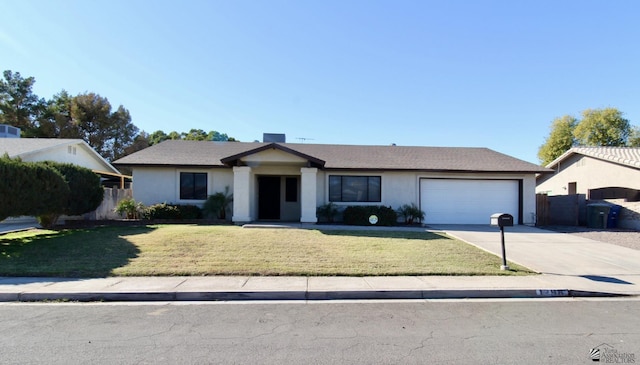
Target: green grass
(168, 250)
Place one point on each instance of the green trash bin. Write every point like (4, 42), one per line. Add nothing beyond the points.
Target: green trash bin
(598, 215)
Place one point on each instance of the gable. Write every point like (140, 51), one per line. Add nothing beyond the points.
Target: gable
(626, 156)
(272, 157)
(74, 151)
(273, 153)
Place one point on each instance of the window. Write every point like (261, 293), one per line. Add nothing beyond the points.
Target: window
(193, 185)
(354, 188)
(291, 189)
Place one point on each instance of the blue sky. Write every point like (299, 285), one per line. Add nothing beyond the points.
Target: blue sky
(428, 73)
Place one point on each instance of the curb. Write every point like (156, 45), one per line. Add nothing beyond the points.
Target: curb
(303, 295)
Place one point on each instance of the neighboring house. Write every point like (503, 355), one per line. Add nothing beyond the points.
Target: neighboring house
(75, 151)
(597, 172)
(287, 181)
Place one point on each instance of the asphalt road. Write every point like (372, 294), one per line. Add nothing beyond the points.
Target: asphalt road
(406, 332)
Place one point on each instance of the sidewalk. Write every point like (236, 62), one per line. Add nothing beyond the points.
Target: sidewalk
(569, 266)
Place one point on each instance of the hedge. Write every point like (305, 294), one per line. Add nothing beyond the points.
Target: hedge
(358, 215)
(32, 189)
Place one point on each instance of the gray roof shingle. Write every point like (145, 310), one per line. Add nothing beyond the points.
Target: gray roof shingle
(361, 157)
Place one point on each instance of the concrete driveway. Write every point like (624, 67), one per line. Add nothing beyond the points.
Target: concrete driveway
(554, 253)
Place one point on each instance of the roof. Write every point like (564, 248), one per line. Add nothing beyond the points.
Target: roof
(24, 147)
(359, 157)
(628, 156)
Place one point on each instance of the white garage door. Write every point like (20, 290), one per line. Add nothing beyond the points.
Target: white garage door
(451, 201)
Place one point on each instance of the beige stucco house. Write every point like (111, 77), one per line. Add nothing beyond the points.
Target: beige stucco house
(75, 151)
(288, 181)
(596, 172)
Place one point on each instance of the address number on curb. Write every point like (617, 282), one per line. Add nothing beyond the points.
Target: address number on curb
(552, 292)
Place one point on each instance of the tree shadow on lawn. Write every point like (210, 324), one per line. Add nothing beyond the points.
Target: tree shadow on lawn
(75, 253)
(407, 235)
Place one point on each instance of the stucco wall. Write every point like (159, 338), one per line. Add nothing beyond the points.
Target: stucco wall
(400, 188)
(152, 185)
(397, 188)
(81, 157)
(588, 173)
(629, 214)
(156, 185)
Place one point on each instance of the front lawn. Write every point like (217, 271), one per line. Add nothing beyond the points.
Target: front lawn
(167, 250)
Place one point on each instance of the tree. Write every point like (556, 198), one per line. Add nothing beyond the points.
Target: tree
(602, 127)
(560, 139)
(56, 121)
(108, 133)
(140, 142)
(195, 135)
(157, 137)
(19, 106)
(217, 136)
(634, 137)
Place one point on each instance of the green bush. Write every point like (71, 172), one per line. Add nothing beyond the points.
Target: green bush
(33, 189)
(218, 204)
(129, 208)
(170, 211)
(358, 215)
(189, 212)
(411, 213)
(162, 211)
(85, 191)
(327, 212)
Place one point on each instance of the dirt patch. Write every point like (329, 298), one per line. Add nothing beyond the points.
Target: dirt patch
(620, 237)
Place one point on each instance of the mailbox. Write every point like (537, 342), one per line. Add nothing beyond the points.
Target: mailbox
(502, 220)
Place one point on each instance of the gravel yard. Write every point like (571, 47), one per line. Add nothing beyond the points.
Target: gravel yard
(625, 238)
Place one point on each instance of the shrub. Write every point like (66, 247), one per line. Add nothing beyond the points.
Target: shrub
(85, 191)
(130, 208)
(162, 211)
(327, 212)
(410, 213)
(31, 189)
(189, 212)
(217, 204)
(170, 211)
(359, 215)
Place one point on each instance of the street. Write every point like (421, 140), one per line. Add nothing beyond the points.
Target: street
(525, 331)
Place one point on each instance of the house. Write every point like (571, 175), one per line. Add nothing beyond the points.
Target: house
(585, 175)
(288, 181)
(597, 172)
(74, 151)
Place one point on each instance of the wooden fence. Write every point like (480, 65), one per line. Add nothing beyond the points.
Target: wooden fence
(564, 210)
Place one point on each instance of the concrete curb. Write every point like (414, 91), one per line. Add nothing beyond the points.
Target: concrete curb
(301, 295)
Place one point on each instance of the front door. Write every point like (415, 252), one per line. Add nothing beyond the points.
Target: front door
(268, 197)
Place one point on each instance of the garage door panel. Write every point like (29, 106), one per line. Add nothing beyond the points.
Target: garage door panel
(447, 201)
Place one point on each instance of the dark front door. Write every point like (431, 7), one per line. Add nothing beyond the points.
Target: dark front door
(269, 197)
